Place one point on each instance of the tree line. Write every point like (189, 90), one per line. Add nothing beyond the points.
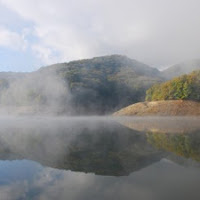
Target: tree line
(186, 87)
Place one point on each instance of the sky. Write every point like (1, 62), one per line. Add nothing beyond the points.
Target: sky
(35, 33)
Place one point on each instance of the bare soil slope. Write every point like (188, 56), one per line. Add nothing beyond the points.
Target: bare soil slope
(161, 108)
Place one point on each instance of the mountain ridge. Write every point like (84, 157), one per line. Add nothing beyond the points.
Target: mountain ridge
(181, 69)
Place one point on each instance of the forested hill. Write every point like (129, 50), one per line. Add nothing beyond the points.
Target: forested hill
(104, 84)
(184, 87)
(92, 86)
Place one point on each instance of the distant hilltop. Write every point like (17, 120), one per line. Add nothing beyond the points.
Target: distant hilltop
(181, 68)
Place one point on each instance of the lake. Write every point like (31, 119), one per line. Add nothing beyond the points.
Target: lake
(99, 158)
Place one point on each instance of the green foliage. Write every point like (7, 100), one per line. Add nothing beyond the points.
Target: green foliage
(105, 84)
(184, 87)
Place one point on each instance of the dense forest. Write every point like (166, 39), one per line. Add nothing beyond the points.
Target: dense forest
(92, 86)
(107, 83)
(186, 87)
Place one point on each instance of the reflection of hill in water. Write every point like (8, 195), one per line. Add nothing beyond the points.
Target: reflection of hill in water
(179, 135)
(185, 145)
(162, 124)
(111, 153)
(100, 146)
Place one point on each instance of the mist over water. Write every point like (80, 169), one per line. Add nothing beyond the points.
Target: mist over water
(101, 157)
(35, 94)
(54, 141)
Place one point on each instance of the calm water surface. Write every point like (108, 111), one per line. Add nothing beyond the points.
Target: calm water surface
(99, 158)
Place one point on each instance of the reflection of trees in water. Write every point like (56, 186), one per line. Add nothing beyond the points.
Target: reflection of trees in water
(185, 145)
(100, 146)
(117, 152)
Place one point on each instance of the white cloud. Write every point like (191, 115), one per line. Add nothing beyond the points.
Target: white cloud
(16, 190)
(44, 53)
(157, 32)
(12, 39)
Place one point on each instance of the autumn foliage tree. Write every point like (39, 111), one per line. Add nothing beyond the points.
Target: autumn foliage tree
(184, 87)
